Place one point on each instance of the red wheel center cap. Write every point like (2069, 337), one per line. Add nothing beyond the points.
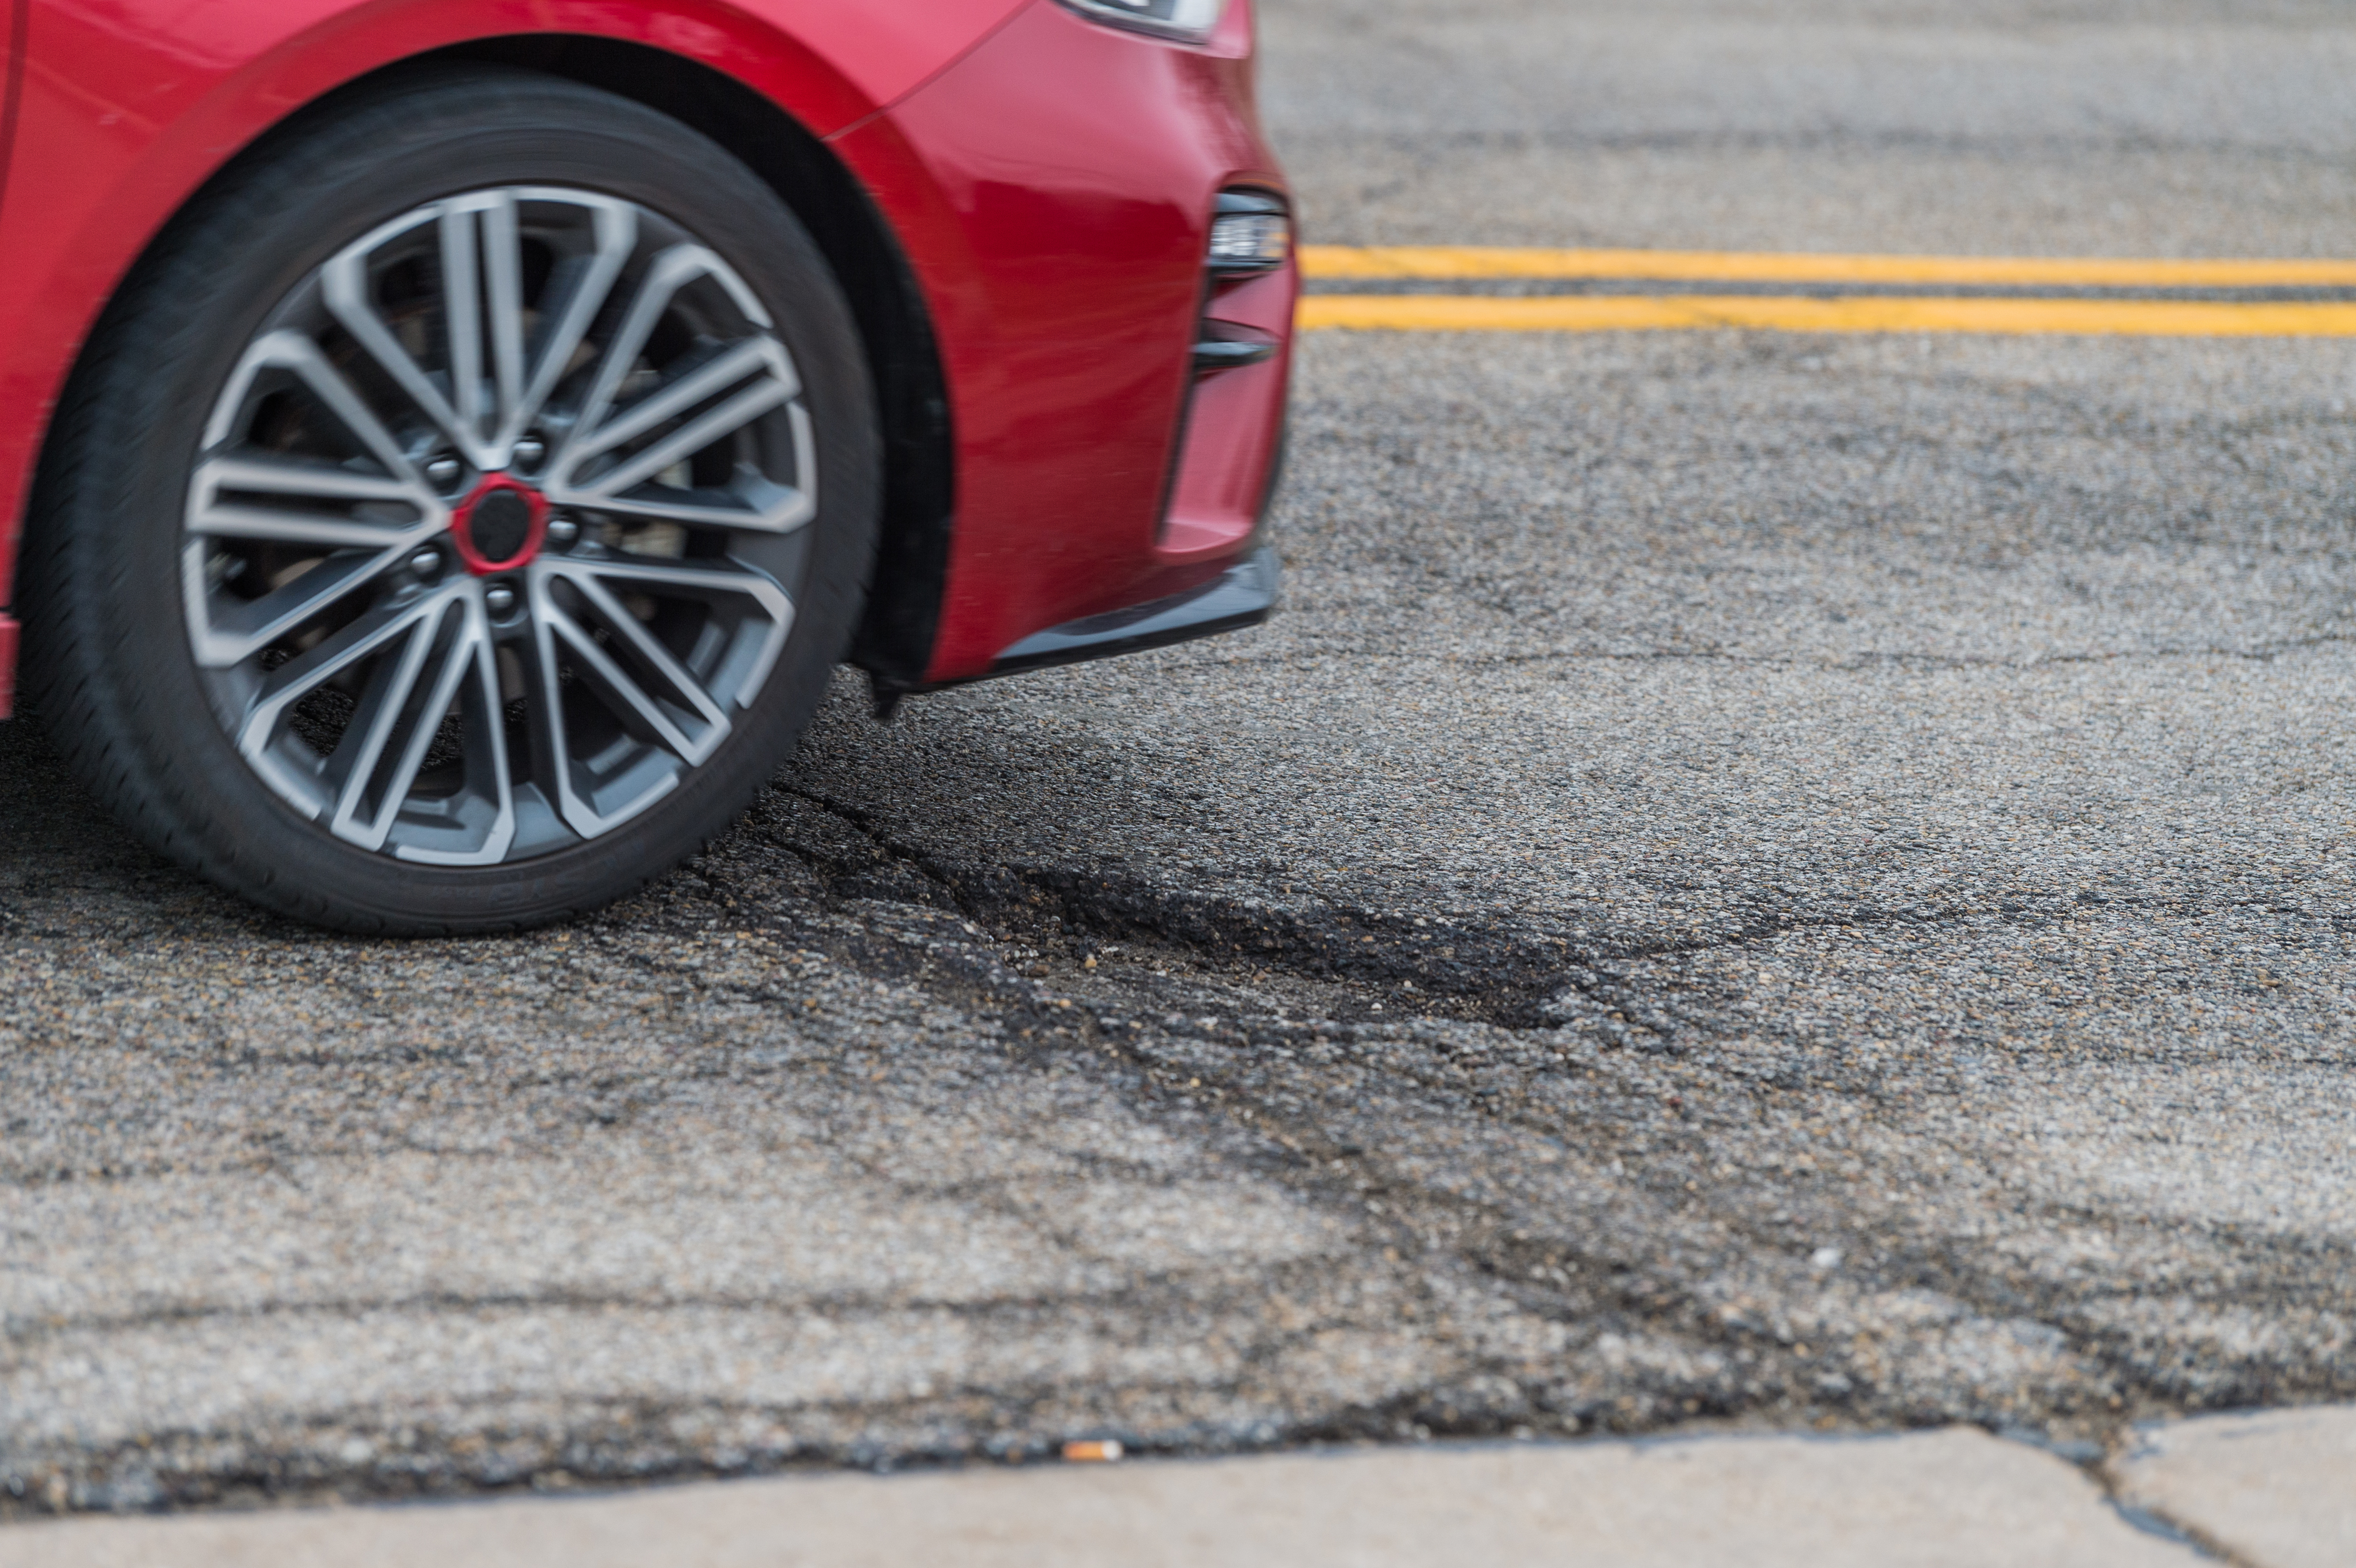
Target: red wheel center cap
(499, 527)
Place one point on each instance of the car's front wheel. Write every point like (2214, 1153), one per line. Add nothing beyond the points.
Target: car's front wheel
(458, 517)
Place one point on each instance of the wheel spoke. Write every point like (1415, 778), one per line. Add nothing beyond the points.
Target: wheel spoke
(671, 270)
(503, 297)
(601, 428)
(654, 378)
(230, 632)
(763, 375)
(270, 476)
(226, 630)
(305, 673)
(293, 527)
(344, 283)
(286, 349)
(390, 703)
(769, 603)
(462, 301)
(328, 523)
(688, 440)
(614, 227)
(706, 381)
(408, 705)
(660, 696)
(482, 275)
(752, 503)
(700, 578)
(557, 640)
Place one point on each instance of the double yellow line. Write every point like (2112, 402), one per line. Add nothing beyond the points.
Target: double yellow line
(1673, 307)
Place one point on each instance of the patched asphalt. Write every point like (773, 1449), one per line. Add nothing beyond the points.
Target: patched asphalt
(1757, 881)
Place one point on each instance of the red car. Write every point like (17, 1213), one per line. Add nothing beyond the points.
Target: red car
(447, 444)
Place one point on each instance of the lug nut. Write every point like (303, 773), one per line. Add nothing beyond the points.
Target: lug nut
(528, 454)
(500, 600)
(426, 563)
(443, 473)
(562, 532)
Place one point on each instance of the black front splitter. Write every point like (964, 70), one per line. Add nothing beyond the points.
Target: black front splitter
(1243, 595)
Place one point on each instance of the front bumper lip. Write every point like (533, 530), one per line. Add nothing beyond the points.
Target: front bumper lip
(1243, 595)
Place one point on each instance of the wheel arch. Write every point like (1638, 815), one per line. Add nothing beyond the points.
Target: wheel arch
(894, 638)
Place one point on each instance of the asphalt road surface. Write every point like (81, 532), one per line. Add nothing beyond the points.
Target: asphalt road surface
(1759, 881)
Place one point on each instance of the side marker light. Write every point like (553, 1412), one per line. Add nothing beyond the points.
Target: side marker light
(1249, 233)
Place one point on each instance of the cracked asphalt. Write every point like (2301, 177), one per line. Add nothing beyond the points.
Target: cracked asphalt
(1758, 881)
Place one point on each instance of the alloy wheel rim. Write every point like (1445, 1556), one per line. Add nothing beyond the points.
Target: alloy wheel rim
(496, 524)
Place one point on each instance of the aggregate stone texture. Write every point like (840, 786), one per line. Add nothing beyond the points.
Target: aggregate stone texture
(1756, 882)
(1982, 127)
(1952, 1498)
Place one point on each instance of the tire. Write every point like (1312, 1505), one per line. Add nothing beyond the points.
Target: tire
(474, 665)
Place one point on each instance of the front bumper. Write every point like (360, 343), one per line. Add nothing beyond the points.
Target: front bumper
(1243, 595)
(1054, 193)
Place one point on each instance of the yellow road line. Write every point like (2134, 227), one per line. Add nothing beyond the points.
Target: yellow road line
(1622, 312)
(1731, 266)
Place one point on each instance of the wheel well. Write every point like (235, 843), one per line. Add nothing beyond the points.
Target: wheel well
(895, 639)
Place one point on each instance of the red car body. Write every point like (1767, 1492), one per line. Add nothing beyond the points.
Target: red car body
(1030, 197)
